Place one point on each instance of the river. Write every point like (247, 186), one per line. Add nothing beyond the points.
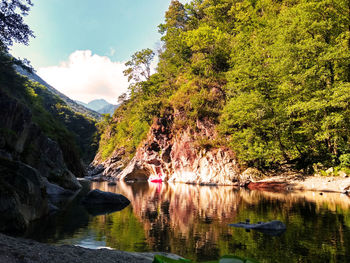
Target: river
(192, 221)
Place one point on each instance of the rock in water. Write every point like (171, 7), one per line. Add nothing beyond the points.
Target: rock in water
(98, 202)
(273, 228)
(98, 197)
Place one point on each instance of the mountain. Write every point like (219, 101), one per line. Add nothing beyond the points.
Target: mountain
(97, 104)
(100, 105)
(108, 109)
(82, 103)
(75, 106)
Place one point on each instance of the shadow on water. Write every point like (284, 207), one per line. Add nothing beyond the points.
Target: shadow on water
(71, 217)
(193, 221)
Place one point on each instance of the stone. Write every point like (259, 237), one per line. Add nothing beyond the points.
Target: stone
(98, 197)
(54, 189)
(98, 202)
(273, 228)
(22, 196)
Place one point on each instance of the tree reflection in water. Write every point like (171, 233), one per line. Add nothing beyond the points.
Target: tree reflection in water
(192, 221)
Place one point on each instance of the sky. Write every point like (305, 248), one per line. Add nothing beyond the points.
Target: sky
(81, 45)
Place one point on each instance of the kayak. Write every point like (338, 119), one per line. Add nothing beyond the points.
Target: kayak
(157, 180)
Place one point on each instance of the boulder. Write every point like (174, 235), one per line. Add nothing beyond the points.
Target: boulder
(273, 228)
(22, 196)
(58, 196)
(98, 202)
(98, 197)
(56, 190)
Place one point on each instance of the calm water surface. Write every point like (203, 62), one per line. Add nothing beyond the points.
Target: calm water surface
(192, 221)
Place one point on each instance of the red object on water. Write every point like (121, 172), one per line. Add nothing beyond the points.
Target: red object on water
(157, 180)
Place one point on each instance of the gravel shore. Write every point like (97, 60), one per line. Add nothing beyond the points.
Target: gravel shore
(19, 250)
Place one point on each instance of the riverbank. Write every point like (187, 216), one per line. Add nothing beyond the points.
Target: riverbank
(15, 250)
(294, 182)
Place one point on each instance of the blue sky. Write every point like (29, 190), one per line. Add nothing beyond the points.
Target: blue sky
(89, 32)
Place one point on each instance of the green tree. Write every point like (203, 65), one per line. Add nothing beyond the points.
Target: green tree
(12, 26)
(139, 67)
(273, 77)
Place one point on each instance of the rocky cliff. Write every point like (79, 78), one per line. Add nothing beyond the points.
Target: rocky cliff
(175, 155)
(31, 166)
(39, 154)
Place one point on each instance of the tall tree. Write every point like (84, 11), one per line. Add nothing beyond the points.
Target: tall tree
(139, 67)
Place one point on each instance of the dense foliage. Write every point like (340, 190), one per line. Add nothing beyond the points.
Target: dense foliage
(274, 76)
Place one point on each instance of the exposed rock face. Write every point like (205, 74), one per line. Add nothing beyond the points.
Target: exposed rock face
(28, 159)
(22, 195)
(24, 141)
(176, 156)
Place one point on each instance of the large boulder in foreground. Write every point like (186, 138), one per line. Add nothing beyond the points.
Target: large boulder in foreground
(22, 196)
(98, 202)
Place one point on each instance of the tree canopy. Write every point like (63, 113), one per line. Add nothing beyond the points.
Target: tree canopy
(273, 76)
(12, 26)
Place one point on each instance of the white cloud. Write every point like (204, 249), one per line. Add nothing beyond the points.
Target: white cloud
(86, 77)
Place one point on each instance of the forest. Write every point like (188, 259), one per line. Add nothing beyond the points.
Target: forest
(272, 76)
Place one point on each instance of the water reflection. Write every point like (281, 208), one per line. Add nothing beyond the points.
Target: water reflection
(192, 221)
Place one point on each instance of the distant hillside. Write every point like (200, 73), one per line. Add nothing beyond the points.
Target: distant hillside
(108, 109)
(100, 105)
(75, 106)
(78, 121)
